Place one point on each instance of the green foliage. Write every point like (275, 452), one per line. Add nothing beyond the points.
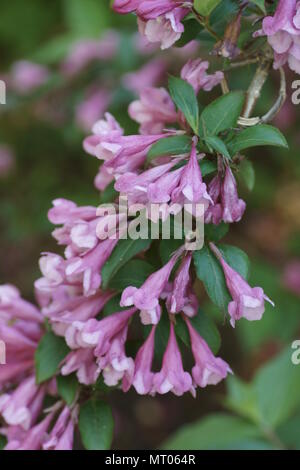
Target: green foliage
(205, 7)
(246, 173)
(67, 387)
(96, 425)
(260, 4)
(49, 354)
(219, 431)
(217, 144)
(3, 442)
(123, 252)
(184, 97)
(210, 272)
(205, 327)
(221, 114)
(134, 273)
(179, 144)
(86, 18)
(257, 136)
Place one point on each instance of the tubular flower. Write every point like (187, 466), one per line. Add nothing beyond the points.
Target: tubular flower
(246, 301)
(283, 32)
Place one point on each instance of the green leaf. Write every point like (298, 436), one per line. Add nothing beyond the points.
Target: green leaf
(207, 167)
(260, 4)
(168, 247)
(242, 399)
(247, 174)
(257, 136)
(210, 272)
(96, 425)
(184, 97)
(67, 387)
(218, 145)
(3, 442)
(86, 18)
(176, 145)
(218, 431)
(214, 232)
(191, 30)
(237, 259)
(123, 252)
(205, 7)
(289, 432)
(221, 114)
(205, 327)
(134, 273)
(277, 386)
(50, 352)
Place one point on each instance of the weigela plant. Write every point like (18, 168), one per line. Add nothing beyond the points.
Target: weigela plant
(100, 295)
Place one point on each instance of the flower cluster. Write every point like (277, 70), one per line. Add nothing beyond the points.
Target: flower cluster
(159, 20)
(78, 304)
(283, 32)
(21, 399)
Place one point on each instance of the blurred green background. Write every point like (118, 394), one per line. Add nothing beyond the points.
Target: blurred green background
(50, 163)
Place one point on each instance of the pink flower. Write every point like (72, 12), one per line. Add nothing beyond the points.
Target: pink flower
(146, 298)
(63, 312)
(62, 435)
(233, 207)
(22, 406)
(142, 379)
(227, 206)
(83, 362)
(153, 111)
(13, 306)
(172, 376)
(246, 301)
(92, 108)
(85, 51)
(27, 76)
(165, 29)
(65, 211)
(7, 160)
(120, 153)
(214, 213)
(182, 298)
(102, 179)
(194, 72)
(135, 186)
(115, 364)
(148, 76)
(85, 270)
(291, 277)
(32, 439)
(95, 334)
(125, 6)
(191, 188)
(283, 31)
(208, 369)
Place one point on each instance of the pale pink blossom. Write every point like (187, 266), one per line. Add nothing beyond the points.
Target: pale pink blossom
(208, 369)
(27, 76)
(195, 73)
(247, 302)
(154, 111)
(172, 377)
